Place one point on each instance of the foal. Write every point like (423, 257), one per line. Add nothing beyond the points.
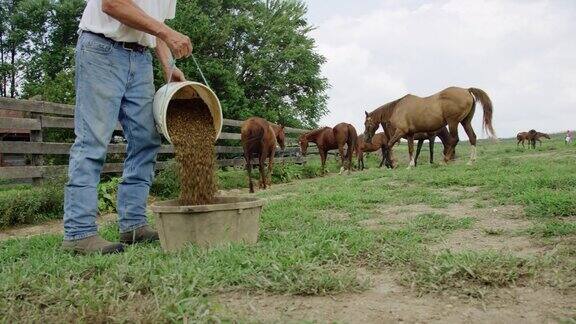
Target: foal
(259, 137)
(379, 142)
(444, 136)
(327, 139)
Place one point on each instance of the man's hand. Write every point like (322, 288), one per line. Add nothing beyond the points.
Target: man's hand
(128, 13)
(177, 76)
(179, 44)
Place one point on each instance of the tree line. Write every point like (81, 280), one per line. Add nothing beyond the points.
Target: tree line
(258, 56)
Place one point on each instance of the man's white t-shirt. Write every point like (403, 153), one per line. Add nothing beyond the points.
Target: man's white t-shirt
(96, 21)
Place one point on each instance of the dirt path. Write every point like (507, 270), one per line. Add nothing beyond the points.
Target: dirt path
(387, 302)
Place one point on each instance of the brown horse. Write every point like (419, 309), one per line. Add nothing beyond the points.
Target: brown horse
(538, 137)
(411, 114)
(532, 136)
(259, 138)
(523, 137)
(327, 139)
(379, 142)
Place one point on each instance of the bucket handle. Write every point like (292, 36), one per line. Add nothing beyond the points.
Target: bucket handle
(173, 67)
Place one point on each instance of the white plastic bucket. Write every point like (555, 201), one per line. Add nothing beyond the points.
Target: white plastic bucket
(185, 90)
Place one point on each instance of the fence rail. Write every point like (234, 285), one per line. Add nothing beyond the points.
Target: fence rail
(41, 115)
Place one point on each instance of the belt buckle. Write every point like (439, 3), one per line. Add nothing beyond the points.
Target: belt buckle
(126, 48)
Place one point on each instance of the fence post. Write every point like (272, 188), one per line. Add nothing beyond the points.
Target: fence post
(36, 136)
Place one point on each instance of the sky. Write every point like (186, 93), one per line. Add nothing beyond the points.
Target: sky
(521, 52)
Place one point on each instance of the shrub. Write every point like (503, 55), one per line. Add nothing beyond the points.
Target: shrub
(107, 195)
(166, 184)
(32, 205)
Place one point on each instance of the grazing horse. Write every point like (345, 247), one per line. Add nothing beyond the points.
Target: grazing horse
(260, 137)
(523, 137)
(532, 136)
(538, 137)
(412, 114)
(379, 142)
(444, 136)
(327, 139)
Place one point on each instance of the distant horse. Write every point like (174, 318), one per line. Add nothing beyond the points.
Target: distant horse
(537, 137)
(260, 137)
(532, 136)
(327, 139)
(379, 142)
(411, 114)
(523, 137)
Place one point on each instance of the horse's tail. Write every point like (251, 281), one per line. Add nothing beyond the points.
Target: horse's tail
(482, 96)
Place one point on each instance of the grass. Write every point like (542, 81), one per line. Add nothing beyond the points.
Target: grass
(304, 251)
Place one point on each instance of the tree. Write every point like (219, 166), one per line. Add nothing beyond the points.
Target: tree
(257, 55)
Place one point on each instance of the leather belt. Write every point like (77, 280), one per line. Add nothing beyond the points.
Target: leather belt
(129, 46)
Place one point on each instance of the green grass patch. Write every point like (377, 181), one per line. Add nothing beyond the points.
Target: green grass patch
(553, 229)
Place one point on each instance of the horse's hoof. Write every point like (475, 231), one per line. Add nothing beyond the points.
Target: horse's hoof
(471, 163)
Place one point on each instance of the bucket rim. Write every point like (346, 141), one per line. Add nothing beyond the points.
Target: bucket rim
(172, 206)
(163, 96)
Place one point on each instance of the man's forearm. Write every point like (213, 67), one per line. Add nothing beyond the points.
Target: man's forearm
(163, 53)
(128, 13)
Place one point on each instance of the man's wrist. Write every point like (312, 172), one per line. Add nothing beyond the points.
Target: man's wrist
(162, 31)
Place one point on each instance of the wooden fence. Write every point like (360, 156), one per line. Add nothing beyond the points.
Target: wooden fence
(39, 115)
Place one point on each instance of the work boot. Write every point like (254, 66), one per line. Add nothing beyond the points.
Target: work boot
(92, 244)
(143, 234)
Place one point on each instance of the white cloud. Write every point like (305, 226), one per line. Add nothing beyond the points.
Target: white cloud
(521, 52)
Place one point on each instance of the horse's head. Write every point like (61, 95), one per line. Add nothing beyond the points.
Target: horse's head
(545, 135)
(303, 141)
(370, 127)
(281, 137)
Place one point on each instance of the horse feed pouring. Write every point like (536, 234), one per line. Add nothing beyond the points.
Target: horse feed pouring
(191, 128)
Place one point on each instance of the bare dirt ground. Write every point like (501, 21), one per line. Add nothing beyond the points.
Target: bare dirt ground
(388, 302)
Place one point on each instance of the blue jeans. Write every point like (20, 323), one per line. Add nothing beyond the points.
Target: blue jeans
(112, 84)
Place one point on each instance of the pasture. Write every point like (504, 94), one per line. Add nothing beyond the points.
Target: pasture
(491, 242)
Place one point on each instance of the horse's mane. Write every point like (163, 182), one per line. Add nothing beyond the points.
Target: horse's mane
(314, 134)
(384, 111)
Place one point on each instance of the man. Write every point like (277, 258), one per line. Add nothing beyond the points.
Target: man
(114, 82)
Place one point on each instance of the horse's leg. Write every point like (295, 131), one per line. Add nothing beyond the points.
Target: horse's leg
(349, 154)
(410, 139)
(432, 141)
(270, 166)
(472, 137)
(342, 158)
(397, 136)
(453, 141)
(418, 148)
(262, 168)
(248, 158)
(360, 160)
(383, 148)
(323, 154)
